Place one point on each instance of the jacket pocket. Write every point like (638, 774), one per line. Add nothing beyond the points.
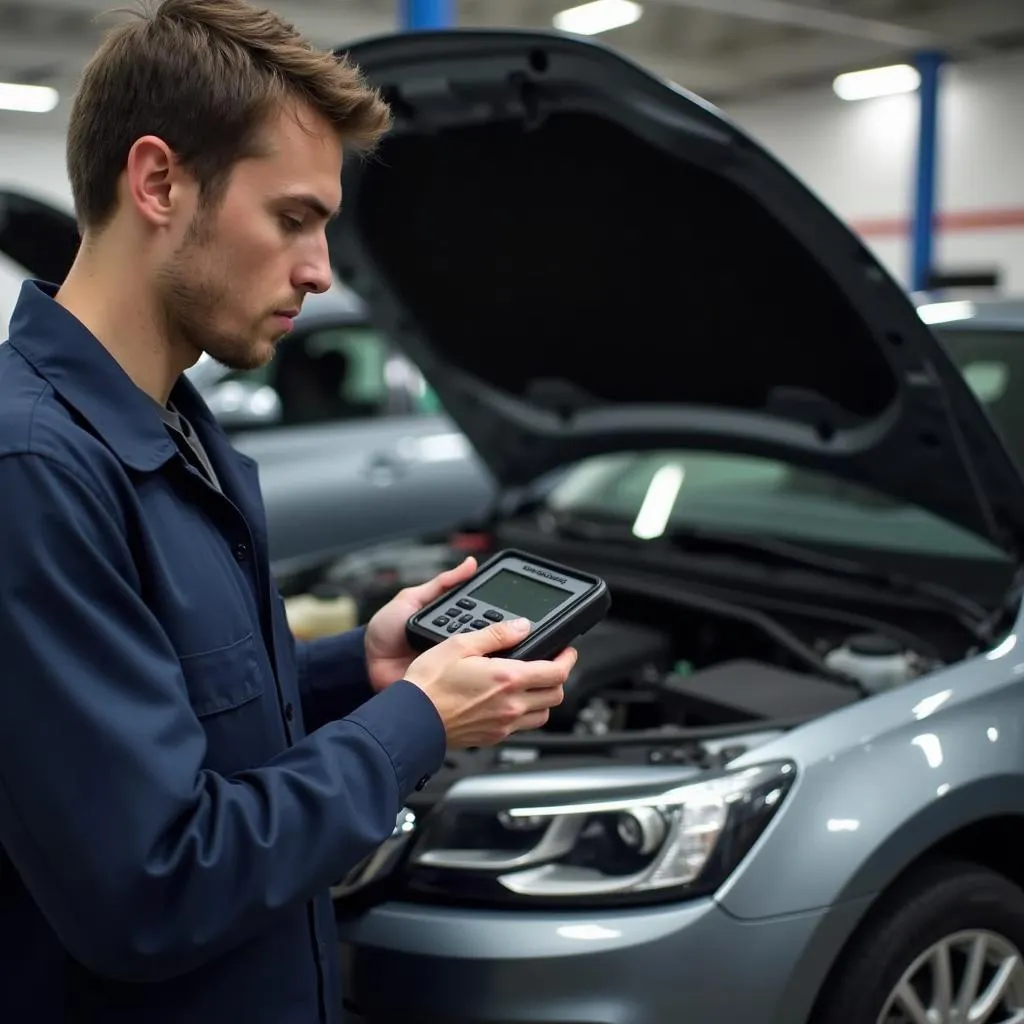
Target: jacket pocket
(223, 679)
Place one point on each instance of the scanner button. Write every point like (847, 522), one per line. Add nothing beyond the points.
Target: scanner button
(441, 620)
(455, 627)
(466, 617)
(467, 604)
(480, 624)
(452, 612)
(493, 615)
(468, 629)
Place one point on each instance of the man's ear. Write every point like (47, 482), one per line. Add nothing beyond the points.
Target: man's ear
(154, 180)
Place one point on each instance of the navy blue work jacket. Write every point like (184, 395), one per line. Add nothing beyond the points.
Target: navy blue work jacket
(180, 781)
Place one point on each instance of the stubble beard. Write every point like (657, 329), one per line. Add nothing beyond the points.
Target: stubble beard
(192, 290)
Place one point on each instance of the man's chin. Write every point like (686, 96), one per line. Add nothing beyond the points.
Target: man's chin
(255, 357)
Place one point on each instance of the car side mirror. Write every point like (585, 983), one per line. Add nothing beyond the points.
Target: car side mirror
(244, 405)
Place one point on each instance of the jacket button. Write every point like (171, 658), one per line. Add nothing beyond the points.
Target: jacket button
(241, 551)
(289, 712)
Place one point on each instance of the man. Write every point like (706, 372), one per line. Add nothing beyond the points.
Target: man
(180, 781)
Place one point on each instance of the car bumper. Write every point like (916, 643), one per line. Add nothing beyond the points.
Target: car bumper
(692, 962)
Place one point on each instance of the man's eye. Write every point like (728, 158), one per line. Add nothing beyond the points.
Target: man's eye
(290, 223)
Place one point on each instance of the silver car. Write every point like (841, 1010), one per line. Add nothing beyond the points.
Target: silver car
(787, 783)
(351, 444)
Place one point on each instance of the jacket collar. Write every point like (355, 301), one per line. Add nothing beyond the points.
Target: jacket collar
(67, 355)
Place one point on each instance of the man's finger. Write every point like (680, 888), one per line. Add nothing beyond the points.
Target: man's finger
(461, 572)
(545, 674)
(547, 697)
(531, 721)
(427, 592)
(567, 659)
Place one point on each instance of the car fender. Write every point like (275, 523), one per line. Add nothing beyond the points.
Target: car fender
(878, 784)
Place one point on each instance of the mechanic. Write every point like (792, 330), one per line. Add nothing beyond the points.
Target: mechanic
(180, 780)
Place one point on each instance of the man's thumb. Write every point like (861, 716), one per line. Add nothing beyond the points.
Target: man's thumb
(500, 636)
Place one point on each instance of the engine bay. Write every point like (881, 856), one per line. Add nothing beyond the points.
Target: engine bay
(678, 673)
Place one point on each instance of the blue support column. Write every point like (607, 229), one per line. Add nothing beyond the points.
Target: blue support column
(417, 15)
(929, 66)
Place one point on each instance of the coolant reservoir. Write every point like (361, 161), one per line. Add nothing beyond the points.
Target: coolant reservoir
(877, 662)
(310, 616)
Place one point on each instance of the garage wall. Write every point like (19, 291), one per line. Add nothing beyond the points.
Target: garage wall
(859, 157)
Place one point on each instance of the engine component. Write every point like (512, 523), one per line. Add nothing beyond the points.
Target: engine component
(312, 616)
(877, 662)
(744, 691)
(612, 654)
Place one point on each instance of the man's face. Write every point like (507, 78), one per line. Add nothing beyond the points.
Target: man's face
(245, 265)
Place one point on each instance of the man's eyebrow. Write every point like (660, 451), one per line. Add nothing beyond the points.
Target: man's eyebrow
(313, 203)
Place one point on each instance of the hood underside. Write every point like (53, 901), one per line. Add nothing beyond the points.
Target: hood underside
(37, 237)
(583, 258)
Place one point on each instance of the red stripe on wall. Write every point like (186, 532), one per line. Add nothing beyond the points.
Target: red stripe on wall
(965, 220)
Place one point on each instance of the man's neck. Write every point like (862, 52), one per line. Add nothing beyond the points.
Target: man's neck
(125, 318)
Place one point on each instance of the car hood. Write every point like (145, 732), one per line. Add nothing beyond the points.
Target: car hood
(583, 258)
(39, 238)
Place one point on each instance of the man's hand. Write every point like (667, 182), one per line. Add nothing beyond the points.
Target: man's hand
(482, 700)
(388, 654)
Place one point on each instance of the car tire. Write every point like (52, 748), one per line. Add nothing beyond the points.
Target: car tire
(945, 900)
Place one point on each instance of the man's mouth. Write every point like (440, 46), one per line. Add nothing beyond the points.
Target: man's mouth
(286, 317)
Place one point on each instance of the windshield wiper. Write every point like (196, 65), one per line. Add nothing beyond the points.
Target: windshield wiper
(698, 539)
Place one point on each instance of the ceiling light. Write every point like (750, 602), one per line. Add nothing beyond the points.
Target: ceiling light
(866, 85)
(30, 99)
(945, 312)
(599, 16)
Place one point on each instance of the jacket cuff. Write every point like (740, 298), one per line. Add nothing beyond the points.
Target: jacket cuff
(406, 724)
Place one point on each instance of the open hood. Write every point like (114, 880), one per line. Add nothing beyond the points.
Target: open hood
(37, 237)
(583, 258)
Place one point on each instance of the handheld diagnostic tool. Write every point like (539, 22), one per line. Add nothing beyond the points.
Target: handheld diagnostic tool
(560, 604)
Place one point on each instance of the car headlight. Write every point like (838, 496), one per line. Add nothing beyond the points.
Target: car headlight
(634, 836)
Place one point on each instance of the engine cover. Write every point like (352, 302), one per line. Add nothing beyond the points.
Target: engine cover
(744, 691)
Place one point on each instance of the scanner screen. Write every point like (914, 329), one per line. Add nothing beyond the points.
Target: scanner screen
(520, 595)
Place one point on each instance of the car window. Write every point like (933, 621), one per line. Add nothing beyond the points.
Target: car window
(426, 400)
(992, 362)
(655, 491)
(327, 374)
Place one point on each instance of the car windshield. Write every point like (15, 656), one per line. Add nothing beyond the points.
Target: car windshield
(655, 492)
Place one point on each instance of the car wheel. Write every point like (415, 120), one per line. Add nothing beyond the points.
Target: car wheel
(945, 947)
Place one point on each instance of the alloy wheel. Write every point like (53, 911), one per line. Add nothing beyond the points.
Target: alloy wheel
(971, 977)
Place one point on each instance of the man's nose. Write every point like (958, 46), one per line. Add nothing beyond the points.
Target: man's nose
(315, 274)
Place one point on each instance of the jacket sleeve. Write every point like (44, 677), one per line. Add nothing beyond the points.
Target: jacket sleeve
(146, 864)
(332, 676)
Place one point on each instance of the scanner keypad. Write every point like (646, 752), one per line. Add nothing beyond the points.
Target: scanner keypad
(467, 616)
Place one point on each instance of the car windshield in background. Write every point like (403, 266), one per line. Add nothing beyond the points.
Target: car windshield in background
(656, 492)
(992, 361)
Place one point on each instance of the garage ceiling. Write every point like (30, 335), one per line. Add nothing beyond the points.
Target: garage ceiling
(726, 50)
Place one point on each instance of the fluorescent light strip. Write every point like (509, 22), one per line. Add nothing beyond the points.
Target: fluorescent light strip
(599, 16)
(945, 312)
(658, 502)
(28, 99)
(875, 82)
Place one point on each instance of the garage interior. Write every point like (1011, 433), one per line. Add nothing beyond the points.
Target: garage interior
(718, 304)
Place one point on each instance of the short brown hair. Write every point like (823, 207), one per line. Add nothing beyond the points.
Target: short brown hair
(204, 76)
